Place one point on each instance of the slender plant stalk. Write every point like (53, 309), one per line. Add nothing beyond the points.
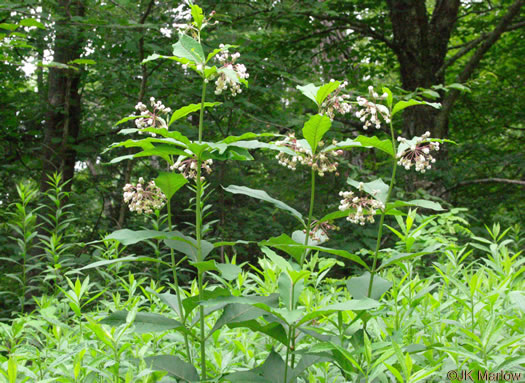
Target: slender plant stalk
(382, 220)
(198, 233)
(178, 292)
(291, 339)
(310, 214)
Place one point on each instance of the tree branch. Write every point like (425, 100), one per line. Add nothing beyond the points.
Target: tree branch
(360, 27)
(467, 47)
(474, 61)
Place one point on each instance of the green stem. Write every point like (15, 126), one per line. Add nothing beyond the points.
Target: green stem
(198, 233)
(176, 282)
(383, 211)
(310, 214)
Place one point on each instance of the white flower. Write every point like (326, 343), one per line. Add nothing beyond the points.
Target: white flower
(188, 167)
(372, 111)
(362, 209)
(323, 162)
(417, 152)
(143, 199)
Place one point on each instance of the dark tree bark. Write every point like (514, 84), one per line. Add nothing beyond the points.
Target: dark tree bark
(421, 44)
(421, 48)
(62, 121)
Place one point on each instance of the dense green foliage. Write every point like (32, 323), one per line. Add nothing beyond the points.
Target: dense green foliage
(273, 224)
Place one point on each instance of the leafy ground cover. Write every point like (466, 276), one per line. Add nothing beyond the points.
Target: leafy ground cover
(162, 303)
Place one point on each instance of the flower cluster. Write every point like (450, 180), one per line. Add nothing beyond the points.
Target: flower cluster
(188, 167)
(144, 198)
(224, 82)
(319, 231)
(323, 162)
(371, 110)
(364, 208)
(417, 153)
(151, 119)
(336, 102)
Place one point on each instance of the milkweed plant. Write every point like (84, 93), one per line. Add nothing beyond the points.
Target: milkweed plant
(188, 162)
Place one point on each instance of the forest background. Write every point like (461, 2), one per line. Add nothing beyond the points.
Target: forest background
(71, 69)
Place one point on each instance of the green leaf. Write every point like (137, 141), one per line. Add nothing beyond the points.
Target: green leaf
(32, 23)
(273, 330)
(228, 271)
(237, 312)
(188, 48)
(213, 53)
(310, 91)
(283, 264)
(198, 17)
(358, 286)
(98, 264)
(315, 128)
(130, 237)
(376, 188)
(361, 304)
(126, 119)
(518, 300)
(288, 245)
(191, 303)
(143, 322)
(263, 196)
(363, 142)
(374, 142)
(185, 110)
(459, 87)
(83, 62)
(174, 366)
(325, 90)
(188, 246)
(247, 136)
(163, 151)
(9, 27)
(204, 266)
(272, 370)
(152, 57)
(288, 291)
(400, 257)
(169, 183)
(400, 105)
(426, 204)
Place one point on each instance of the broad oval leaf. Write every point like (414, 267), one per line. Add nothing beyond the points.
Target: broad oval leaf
(185, 110)
(263, 196)
(324, 91)
(358, 286)
(174, 366)
(188, 48)
(169, 183)
(310, 91)
(315, 128)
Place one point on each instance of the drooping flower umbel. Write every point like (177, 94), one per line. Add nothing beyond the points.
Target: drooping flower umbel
(188, 167)
(144, 198)
(231, 72)
(152, 119)
(322, 162)
(416, 152)
(362, 208)
(371, 110)
(336, 102)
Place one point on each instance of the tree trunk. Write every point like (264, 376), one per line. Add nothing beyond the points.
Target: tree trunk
(62, 122)
(421, 48)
